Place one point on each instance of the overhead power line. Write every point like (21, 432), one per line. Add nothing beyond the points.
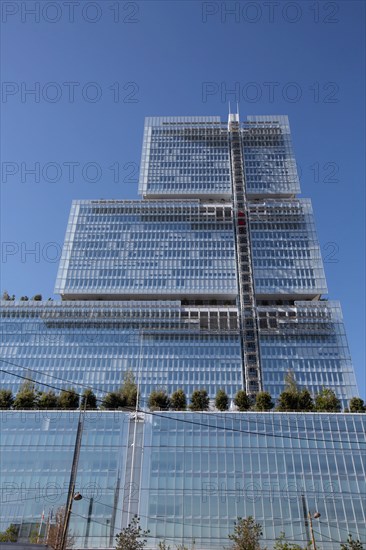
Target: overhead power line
(192, 422)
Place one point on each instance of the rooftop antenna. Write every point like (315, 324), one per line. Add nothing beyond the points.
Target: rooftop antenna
(229, 117)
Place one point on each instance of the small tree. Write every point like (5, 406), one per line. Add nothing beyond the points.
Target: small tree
(112, 401)
(282, 544)
(10, 534)
(247, 534)
(26, 398)
(357, 405)
(199, 401)
(37, 297)
(290, 382)
(159, 400)
(295, 401)
(34, 536)
(6, 399)
(163, 545)
(6, 296)
(132, 537)
(68, 399)
(90, 398)
(287, 401)
(129, 389)
(327, 401)
(306, 402)
(263, 401)
(24, 298)
(47, 400)
(352, 544)
(53, 538)
(242, 401)
(292, 398)
(178, 400)
(222, 401)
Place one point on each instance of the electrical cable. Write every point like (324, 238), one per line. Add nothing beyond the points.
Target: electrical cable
(166, 416)
(190, 524)
(166, 520)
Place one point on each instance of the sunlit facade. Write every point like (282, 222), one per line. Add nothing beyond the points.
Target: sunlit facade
(148, 248)
(171, 346)
(192, 475)
(213, 280)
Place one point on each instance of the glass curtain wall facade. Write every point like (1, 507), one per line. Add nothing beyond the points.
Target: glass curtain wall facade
(148, 248)
(171, 346)
(94, 343)
(213, 280)
(197, 473)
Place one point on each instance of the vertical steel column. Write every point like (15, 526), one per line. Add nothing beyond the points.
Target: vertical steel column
(131, 489)
(248, 310)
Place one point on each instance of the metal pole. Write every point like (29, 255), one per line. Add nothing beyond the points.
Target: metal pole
(50, 514)
(90, 511)
(307, 531)
(311, 530)
(74, 468)
(139, 372)
(40, 528)
(134, 429)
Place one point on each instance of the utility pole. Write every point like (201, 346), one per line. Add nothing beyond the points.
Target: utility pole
(305, 514)
(71, 492)
(311, 530)
(316, 515)
(308, 516)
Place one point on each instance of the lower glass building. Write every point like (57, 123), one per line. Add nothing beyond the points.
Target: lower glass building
(188, 475)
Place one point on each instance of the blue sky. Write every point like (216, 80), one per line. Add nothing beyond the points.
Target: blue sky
(98, 68)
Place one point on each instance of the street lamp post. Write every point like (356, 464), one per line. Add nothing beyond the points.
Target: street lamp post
(72, 495)
(316, 515)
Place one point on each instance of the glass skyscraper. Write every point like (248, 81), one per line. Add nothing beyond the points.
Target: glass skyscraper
(213, 280)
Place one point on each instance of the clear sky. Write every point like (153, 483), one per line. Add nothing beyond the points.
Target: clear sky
(98, 68)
